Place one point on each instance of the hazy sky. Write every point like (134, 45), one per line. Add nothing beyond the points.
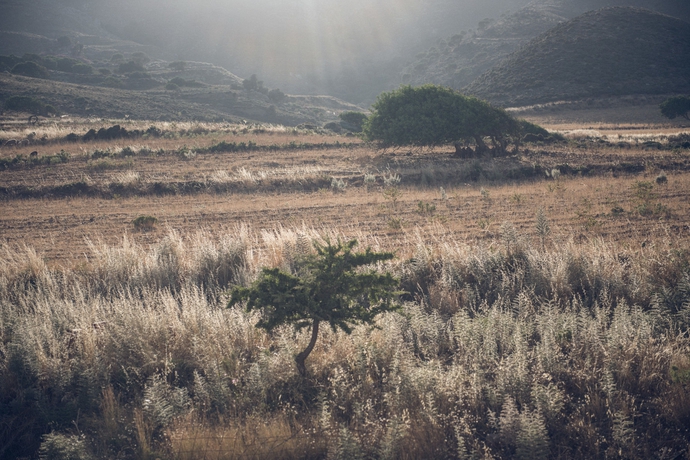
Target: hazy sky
(295, 44)
(299, 37)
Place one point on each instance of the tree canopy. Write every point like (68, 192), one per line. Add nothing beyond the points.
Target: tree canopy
(433, 115)
(678, 106)
(330, 286)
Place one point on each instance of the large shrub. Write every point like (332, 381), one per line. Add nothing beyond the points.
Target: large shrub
(353, 121)
(30, 69)
(678, 106)
(130, 66)
(28, 104)
(432, 115)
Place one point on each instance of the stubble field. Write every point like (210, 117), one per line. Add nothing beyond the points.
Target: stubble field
(284, 179)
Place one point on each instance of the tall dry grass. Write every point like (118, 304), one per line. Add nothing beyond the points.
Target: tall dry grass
(508, 350)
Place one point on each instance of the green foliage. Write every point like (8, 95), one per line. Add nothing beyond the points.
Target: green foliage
(531, 128)
(140, 58)
(277, 96)
(7, 62)
(329, 286)
(678, 106)
(145, 223)
(73, 66)
(27, 104)
(129, 67)
(433, 115)
(353, 121)
(113, 82)
(254, 84)
(30, 69)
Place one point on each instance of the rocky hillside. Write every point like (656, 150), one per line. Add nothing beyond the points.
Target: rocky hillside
(203, 102)
(458, 60)
(608, 52)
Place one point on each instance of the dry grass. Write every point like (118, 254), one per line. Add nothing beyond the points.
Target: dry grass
(269, 189)
(514, 342)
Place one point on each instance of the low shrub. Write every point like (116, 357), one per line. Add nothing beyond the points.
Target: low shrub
(28, 104)
(30, 69)
(353, 121)
(129, 67)
(145, 223)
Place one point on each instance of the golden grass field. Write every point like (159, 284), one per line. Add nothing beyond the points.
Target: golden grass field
(265, 188)
(544, 302)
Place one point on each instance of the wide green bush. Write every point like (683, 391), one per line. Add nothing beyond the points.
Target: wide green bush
(432, 115)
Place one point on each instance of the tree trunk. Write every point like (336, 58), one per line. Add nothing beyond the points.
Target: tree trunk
(481, 146)
(301, 357)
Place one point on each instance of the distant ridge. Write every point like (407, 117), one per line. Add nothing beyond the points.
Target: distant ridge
(608, 52)
(458, 60)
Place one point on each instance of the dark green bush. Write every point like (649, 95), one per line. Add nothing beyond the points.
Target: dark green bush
(26, 104)
(678, 106)
(140, 58)
(531, 128)
(30, 69)
(113, 82)
(144, 223)
(353, 121)
(8, 62)
(433, 115)
(73, 66)
(49, 62)
(277, 96)
(129, 67)
(254, 84)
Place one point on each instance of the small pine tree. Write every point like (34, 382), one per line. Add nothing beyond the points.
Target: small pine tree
(329, 287)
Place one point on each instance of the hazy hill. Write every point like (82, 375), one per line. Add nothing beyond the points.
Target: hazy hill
(572, 8)
(352, 49)
(206, 102)
(612, 51)
(458, 60)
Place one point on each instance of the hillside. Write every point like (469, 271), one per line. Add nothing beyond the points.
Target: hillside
(608, 52)
(458, 60)
(205, 102)
(351, 49)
